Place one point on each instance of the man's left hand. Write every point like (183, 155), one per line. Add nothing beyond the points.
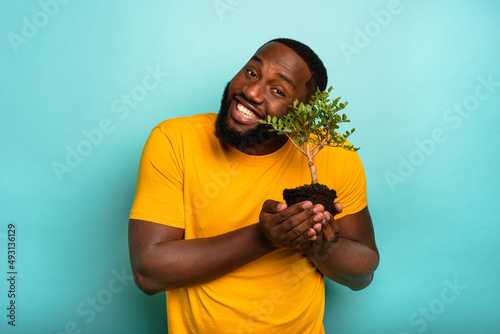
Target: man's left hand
(327, 232)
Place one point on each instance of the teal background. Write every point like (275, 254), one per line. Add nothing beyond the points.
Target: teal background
(432, 171)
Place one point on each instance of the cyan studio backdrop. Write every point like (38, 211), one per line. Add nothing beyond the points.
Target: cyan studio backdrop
(82, 84)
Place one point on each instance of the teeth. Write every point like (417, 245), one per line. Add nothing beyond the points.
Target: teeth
(247, 113)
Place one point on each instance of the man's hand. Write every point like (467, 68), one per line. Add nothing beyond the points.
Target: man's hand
(327, 234)
(292, 226)
(352, 259)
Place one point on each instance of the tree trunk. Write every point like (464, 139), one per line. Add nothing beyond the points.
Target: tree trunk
(314, 176)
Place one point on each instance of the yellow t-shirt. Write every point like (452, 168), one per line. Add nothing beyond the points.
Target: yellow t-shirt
(187, 179)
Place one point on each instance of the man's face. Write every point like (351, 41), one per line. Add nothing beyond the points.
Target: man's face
(266, 86)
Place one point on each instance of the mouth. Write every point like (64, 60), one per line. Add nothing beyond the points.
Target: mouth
(244, 114)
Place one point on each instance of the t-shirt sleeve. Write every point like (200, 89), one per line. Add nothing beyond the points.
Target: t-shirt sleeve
(352, 192)
(159, 194)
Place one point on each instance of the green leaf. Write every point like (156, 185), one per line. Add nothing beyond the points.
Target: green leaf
(309, 123)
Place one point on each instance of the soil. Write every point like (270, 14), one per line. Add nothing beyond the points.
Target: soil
(316, 193)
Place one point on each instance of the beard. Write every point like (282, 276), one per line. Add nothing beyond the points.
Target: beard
(240, 140)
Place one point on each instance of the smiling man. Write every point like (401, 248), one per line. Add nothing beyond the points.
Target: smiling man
(208, 225)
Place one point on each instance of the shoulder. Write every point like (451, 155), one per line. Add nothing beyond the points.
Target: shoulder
(340, 157)
(189, 128)
(344, 167)
(183, 132)
(199, 121)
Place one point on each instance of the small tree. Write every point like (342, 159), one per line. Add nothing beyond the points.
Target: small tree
(311, 127)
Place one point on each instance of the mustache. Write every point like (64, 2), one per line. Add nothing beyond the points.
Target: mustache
(252, 138)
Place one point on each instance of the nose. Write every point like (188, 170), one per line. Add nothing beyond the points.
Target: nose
(254, 92)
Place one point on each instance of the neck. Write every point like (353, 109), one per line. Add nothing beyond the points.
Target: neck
(264, 148)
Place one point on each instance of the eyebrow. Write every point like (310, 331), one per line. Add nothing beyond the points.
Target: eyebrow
(281, 75)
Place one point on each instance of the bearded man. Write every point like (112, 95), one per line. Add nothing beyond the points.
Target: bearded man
(208, 227)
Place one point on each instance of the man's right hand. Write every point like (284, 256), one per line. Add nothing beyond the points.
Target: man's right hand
(291, 226)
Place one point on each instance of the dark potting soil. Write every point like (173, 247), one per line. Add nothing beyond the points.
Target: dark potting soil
(316, 193)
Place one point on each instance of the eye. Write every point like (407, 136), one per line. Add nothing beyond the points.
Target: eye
(279, 92)
(251, 73)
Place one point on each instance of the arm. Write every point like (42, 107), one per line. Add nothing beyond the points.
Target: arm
(353, 258)
(162, 260)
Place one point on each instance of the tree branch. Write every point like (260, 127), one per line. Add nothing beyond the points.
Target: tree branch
(300, 149)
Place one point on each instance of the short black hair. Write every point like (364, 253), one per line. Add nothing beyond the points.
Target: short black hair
(312, 60)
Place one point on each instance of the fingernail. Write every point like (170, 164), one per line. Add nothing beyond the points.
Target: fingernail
(317, 218)
(317, 208)
(306, 205)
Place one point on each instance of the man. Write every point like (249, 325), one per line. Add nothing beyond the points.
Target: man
(207, 224)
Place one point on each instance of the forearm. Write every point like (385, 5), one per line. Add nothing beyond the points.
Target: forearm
(346, 262)
(178, 263)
